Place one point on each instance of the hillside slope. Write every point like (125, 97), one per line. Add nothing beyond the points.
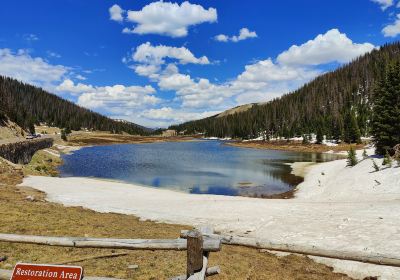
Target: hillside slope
(10, 130)
(327, 104)
(27, 105)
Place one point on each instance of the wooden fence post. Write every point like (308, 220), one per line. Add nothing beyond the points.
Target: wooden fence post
(194, 252)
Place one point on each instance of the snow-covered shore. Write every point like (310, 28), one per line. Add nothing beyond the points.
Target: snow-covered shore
(336, 207)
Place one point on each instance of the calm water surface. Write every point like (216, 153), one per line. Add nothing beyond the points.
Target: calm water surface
(201, 167)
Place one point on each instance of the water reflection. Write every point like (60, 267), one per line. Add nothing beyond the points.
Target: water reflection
(203, 167)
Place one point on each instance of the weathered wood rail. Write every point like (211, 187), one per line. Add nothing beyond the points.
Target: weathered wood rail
(209, 244)
(197, 247)
(365, 257)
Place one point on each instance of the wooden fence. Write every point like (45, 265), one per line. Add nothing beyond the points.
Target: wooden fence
(197, 245)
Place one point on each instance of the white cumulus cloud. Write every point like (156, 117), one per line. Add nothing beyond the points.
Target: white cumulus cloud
(244, 34)
(146, 53)
(69, 86)
(116, 13)
(35, 70)
(171, 115)
(332, 46)
(118, 99)
(171, 19)
(392, 30)
(149, 59)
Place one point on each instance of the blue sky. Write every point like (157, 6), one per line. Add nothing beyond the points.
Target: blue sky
(158, 63)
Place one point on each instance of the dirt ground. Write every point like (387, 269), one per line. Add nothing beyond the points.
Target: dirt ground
(20, 215)
(296, 146)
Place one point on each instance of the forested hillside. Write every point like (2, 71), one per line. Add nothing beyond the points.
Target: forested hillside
(27, 105)
(337, 104)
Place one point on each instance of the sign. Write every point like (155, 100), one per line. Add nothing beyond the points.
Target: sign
(24, 271)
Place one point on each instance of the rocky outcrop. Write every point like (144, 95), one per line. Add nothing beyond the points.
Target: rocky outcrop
(22, 152)
(396, 151)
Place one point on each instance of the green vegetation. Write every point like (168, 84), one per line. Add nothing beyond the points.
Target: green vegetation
(351, 157)
(64, 135)
(375, 165)
(320, 136)
(387, 160)
(352, 132)
(43, 163)
(364, 154)
(338, 104)
(386, 111)
(305, 140)
(27, 105)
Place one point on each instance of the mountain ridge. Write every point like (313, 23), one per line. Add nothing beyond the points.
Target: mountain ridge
(326, 104)
(27, 105)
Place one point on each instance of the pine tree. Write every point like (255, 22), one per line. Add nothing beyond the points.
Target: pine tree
(364, 154)
(352, 132)
(320, 136)
(305, 140)
(375, 166)
(386, 111)
(63, 135)
(387, 160)
(351, 157)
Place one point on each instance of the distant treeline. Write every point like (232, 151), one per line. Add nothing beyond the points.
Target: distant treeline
(337, 104)
(27, 105)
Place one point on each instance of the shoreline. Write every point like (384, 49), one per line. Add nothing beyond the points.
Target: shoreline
(301, 168)
(333, 208)
(293, 146)
(102, 139)
(297, 167)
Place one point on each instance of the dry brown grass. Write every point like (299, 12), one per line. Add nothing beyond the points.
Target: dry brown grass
(101, 138)
(296, 146)
(39, 217)
(44, 129)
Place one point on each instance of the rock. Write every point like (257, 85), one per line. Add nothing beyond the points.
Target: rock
(133, 266)
(396, 150)
(30, 198)
(130, 271)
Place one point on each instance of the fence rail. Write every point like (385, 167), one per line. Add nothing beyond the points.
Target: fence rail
(365, 257)
(180, 244)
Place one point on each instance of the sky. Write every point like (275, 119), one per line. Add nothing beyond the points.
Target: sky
(158, 63)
